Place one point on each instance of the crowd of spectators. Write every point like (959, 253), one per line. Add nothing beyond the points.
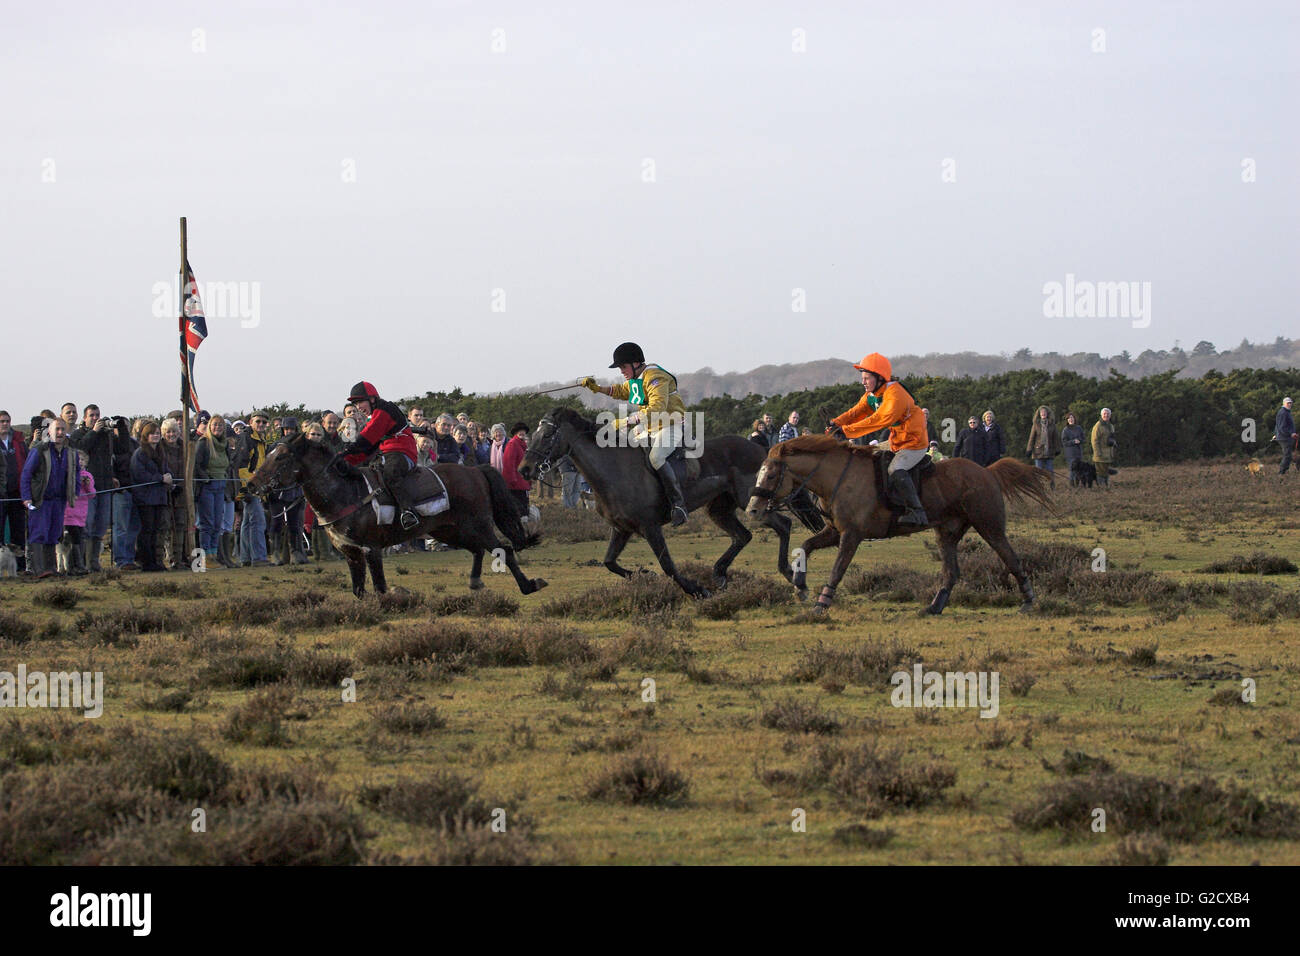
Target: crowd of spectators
(74, 484)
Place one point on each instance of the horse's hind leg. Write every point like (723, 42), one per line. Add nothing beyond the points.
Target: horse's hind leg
(476, 572)
(655, 536)
(949, 535)
(998, 542)
(356, 558)
(526, 584)
(723, 514)
(375, 558)
(617, 542)
(827, 537)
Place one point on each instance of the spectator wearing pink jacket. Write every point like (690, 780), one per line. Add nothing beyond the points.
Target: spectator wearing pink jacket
(74, 517)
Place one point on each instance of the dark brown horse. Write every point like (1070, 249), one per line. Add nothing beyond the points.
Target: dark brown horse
(628, 495)
(479, 504)
(959, 496)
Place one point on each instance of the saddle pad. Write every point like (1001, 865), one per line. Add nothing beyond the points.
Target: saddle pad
(385, 512)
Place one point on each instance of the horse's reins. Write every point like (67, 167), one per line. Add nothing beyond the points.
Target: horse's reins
(353, 508)
(785, 502)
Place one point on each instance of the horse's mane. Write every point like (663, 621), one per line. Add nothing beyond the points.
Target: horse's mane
(562, 414)
(818, 445)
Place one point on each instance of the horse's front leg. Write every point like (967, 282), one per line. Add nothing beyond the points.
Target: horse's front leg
(375, 558)
(617, 542)
(849, 542)
(655, 536)
(781, 525)
(827, 537)
(356, 558)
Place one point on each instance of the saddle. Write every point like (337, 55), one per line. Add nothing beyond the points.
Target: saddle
(686, 469)
(423, 486)
(921, 472)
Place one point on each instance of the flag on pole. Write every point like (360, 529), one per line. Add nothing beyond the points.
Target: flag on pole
(194, 329)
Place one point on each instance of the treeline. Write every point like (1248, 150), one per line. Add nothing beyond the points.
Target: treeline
(1159, 418)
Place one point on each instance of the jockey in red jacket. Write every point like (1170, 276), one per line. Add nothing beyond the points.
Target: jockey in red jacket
(387, 433)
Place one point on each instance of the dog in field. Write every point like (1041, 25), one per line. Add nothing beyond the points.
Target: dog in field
(1255, 468)
(8, 563)
(1084, 473)
(62, 551)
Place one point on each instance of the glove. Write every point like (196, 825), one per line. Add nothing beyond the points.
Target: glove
(349, 448)
(589, 383)
(633, 420)
(835, 431)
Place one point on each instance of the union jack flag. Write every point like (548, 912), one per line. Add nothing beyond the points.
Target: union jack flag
(194, 329)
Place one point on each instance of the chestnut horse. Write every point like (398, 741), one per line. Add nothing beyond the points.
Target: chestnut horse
(960, 495)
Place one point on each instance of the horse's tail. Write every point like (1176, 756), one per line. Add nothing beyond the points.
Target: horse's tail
(1020, 482)
(505, 512)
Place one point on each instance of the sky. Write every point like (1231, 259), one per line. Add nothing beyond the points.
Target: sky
(491, 195)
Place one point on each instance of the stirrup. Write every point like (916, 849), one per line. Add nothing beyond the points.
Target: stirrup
(409, 519)
(679, 510)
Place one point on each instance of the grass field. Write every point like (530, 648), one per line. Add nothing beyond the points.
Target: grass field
(1122, 692)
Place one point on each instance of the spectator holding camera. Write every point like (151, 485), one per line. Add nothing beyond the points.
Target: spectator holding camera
(126, 518)
(94, 436)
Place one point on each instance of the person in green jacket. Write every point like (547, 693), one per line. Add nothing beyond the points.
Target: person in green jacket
(1103, 447)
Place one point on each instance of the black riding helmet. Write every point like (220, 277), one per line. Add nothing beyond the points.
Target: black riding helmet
(629, 353)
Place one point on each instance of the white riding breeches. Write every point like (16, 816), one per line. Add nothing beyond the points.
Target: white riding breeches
(664, 442)
(906, 459)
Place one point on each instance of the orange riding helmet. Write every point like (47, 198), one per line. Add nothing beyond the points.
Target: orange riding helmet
(875, 362)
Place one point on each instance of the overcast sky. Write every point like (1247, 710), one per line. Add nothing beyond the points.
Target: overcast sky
(376, 174)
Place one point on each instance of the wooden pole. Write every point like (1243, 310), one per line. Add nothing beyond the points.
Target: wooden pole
(185, 406)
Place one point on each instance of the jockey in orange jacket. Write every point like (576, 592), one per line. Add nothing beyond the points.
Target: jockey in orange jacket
(887, 404)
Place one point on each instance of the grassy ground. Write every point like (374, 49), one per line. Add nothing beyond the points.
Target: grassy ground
(1122, 692)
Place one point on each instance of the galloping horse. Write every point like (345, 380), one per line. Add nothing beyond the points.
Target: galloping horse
(959, 496)
(477, 497)
(628, 495)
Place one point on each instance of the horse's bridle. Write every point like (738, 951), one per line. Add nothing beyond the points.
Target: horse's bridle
(545, 464)
(784, 503)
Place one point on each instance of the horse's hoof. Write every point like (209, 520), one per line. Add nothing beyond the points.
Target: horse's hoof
(1026, 607)
(820, 609)
(719, 582)
(931, 610)
(801, 594)
(476, 584)
(539, 583)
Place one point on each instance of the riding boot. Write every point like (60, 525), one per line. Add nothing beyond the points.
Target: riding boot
(900, 483)
(395, 482)
(673, 491)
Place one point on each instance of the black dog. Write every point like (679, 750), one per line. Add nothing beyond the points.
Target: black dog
(1083, 473)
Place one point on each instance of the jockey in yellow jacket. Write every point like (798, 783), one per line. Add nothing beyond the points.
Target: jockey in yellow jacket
(887, 404)
(659, 415)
